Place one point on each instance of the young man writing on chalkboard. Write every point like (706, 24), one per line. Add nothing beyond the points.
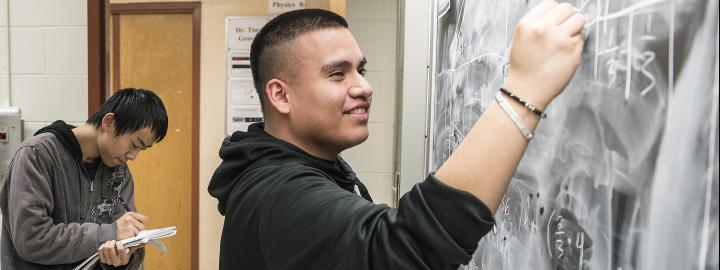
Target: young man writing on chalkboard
(62, 198)
(289, 200)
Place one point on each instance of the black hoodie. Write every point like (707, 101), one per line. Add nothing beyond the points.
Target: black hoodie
(286, 209)
(63, 132)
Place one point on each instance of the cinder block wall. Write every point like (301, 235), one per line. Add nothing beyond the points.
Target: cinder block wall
(48, 60)
(374, 24)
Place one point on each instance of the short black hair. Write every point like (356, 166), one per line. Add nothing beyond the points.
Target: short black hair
(134, 109)
(268, 58)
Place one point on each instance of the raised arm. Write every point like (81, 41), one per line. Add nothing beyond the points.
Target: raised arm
(545, 53)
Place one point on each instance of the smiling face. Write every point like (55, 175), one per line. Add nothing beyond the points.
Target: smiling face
(116, 149)
(328, 97)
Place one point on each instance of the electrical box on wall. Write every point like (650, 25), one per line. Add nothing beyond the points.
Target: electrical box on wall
(10, 136)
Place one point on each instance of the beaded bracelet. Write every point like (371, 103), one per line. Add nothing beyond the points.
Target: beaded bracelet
(520, 100)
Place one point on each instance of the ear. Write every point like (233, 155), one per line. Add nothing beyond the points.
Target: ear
(108, 123)
(277, 94)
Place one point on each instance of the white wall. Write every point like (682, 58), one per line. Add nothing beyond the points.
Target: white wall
(416, 36)
(374, 24)
(47, 60)
(4, 56)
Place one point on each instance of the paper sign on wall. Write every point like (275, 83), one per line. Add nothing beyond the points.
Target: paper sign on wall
(280, 6)
(243, 103)
(239, 64)
(242, 92)
(240, 31)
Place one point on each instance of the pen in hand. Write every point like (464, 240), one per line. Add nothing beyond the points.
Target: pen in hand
(127, 208)
(130, 223)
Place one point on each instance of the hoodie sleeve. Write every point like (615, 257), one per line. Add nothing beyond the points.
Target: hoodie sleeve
(30, 203)
(312, 223)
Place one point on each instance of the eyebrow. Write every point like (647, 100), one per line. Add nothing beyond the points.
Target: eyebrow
(341, 64)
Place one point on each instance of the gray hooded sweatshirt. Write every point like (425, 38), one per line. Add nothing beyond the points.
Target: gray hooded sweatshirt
(54, 214)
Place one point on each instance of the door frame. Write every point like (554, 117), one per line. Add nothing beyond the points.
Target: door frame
(99, 12)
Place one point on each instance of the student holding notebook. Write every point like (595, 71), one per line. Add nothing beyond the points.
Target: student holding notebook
(60, 200)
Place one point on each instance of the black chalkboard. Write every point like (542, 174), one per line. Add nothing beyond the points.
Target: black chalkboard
(623, 174)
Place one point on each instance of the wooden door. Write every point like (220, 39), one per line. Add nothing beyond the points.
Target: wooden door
(155, 51)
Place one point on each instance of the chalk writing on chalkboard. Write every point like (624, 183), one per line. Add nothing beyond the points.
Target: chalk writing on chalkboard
(623, 172)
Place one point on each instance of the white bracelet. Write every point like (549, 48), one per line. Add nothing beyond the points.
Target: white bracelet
(513, 116)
